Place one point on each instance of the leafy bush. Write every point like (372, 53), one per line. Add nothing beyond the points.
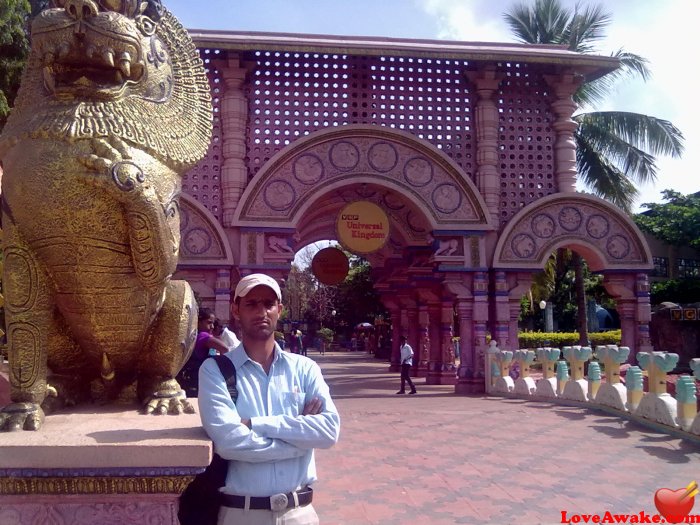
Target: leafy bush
(559, 339)
(326, 334)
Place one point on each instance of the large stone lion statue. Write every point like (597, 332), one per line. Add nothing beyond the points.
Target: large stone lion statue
(114, 106)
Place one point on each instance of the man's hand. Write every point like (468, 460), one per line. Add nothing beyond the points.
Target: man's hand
(313, 407)
(246, 422)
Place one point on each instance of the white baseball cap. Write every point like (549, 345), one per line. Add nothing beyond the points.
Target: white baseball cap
(249, 282)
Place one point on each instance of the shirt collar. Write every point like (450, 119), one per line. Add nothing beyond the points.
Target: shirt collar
(239, 356)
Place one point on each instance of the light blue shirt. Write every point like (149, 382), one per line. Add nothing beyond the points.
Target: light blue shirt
(277, 454)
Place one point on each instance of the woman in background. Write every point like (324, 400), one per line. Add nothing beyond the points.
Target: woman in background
(207, 344)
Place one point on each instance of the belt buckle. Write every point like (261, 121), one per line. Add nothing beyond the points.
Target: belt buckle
(279, 502)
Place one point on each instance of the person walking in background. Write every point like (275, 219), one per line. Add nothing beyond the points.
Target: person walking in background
(293, 342)
(406, 362)
(283, 412)
(300, 343)
(222, 332)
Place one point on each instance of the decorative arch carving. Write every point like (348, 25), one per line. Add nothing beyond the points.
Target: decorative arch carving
(604, 235)
(298, 176)
(202, 239)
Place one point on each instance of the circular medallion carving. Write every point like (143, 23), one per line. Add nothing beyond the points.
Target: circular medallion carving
(618, 247)
(197, 241)
(392, 201)
(308, 169)
(446, 198)
(279, 195)
(543, 226)
(344, 155)
(382, 156)
(523, 245)
(184, 218)
(597, 226)
(570, 218)
(418, 171)
(414, 222)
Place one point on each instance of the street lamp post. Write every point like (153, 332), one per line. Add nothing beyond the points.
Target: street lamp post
(547, 315)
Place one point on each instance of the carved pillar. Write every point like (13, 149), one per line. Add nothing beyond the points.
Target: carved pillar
(448, 369)
(222, 293)
(402, 329)
(626, 309)
(631, 293)
(435, 356)
(565, 148)
(395, 365)
(501, 323)
(424, 340)
(643, 313)
(413, 335)
(467, 360)
(486, 82)
(481, 316)
(234, 118)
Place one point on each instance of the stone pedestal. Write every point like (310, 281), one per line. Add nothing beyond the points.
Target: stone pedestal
(4, 383)
(470, 385)
(100, 466)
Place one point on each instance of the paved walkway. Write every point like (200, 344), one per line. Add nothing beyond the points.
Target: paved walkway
(436, 458)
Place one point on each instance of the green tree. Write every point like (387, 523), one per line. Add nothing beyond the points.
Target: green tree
(615, 150)
(357, 300)
(14, 50)
(676, 221)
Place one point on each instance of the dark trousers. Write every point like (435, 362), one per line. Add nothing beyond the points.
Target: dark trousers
(405, 376)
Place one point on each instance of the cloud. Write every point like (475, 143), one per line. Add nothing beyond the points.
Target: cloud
(467, 19)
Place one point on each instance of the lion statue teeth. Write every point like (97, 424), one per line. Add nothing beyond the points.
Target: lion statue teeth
(113, 107)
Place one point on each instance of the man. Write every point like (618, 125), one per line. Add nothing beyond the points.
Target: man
(284, 410)
(301, 343)
(227, 336)
(406, 362)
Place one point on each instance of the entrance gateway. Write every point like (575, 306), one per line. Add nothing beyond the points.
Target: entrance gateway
(466, 148)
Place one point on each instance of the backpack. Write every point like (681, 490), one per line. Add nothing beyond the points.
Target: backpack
(201, 500)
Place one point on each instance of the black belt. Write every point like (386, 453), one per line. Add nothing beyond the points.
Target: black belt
(276, 502)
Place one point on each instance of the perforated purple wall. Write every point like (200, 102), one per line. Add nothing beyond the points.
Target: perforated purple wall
(294, 94)
(526, 140)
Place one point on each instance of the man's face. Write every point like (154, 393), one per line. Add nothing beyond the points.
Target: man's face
(258, 313)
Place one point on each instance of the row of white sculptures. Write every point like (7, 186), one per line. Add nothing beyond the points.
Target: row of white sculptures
(565, 379)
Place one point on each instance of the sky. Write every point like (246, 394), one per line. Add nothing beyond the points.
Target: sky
(659, 30)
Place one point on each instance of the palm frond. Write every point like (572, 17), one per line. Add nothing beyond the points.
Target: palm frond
(596, 91)
(542, 23)
(586, 28)
(602, 177)
(653, 135)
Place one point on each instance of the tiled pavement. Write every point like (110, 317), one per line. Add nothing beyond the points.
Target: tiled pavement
(437, 458)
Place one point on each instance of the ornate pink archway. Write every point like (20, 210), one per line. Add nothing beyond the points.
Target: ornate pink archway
(606, 237)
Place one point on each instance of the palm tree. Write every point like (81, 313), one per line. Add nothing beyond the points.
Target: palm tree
(615, 150)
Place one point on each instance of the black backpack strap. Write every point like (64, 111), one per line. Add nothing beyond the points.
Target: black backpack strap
(228, 370)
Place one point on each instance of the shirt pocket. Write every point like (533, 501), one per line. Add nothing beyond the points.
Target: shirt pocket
(294, 402)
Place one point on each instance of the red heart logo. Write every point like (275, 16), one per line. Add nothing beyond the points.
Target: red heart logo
(671, 506)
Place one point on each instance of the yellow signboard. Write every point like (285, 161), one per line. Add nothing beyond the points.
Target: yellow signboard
(362, 227)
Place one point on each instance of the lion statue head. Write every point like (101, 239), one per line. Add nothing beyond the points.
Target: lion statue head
(125, 68)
